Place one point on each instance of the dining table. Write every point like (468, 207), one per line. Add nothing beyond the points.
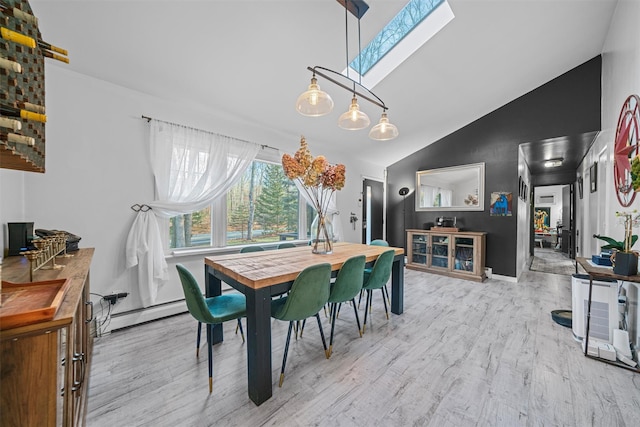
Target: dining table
(263, 275)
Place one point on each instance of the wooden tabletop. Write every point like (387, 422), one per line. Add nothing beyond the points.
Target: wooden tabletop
(260, 269)
(604, 272)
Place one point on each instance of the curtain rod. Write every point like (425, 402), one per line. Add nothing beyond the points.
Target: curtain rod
(148, 119)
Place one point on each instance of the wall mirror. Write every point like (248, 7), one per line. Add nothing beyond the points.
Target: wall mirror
(456, 188)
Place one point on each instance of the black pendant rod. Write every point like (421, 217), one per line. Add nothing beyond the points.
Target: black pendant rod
(379, 101)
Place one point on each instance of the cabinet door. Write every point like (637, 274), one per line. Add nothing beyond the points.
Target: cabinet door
(439, 251)
(419, 249)
(463, 255)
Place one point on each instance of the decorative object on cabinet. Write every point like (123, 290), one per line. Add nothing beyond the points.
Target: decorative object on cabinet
(625, 149)
(22, 103)
(455, 254)
(501, 203)
(456, 188)
(46, 364)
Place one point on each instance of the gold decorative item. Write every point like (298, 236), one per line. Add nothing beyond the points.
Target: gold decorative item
(46, 250)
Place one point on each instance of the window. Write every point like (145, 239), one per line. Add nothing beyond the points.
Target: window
(263, 206)
(412, 27)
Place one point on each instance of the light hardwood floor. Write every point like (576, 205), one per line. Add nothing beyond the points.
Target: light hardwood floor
(462, 354)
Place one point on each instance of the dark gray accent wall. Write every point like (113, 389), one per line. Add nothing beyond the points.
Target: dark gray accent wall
(566, 105)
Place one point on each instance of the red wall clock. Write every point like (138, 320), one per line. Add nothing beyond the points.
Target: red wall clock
(625, 149)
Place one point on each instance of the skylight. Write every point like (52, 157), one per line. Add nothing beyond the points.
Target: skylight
(413, 26)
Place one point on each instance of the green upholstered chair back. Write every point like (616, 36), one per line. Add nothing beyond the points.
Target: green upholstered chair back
(380, 272)
(349, 280)
(193, 296)
(379, 242)
(286, 245)
(251, 249)
(308, 294)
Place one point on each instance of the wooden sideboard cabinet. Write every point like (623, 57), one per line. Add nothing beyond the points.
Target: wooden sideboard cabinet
(44, 366)
(453, 253)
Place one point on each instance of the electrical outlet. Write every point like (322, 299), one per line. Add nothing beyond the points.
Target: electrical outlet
(113, 298)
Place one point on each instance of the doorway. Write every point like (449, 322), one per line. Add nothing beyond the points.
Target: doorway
(553, 228)
(372, 210)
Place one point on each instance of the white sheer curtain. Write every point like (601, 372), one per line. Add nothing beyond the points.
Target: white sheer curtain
(332, 210)
(192, 168)
(435, 196)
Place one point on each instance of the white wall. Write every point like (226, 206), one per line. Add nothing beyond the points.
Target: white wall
(97, 167)
(620, 78)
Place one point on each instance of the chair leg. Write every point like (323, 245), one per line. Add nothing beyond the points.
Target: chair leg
(286, 350)
(304, 322)
(366, 309)
(198, 340)
(333, 310)
(360, 297)
(324, 342)
(384, 300)
(355, 310)
(239, 326)
(210, 348)
(386, 293)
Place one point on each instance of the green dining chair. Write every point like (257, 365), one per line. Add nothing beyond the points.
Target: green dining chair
(308, 294)
(377, 242)
(286, 245)
(347, 285)
(212, 310)
(247, 249)
(377, 279)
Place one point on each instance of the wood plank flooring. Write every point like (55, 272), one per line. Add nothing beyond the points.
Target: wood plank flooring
(462, 354)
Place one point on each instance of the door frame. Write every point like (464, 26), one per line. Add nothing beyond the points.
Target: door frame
(363, 198)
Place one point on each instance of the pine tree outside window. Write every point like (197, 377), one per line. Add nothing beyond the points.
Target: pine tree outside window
(262, 207)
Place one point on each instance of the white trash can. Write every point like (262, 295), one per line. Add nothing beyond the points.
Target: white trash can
(604, 308)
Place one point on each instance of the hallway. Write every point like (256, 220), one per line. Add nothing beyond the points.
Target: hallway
(551, 261)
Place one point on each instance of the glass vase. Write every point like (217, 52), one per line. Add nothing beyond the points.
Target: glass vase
(321, 235)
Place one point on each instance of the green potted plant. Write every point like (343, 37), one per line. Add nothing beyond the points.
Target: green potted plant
(625, 261)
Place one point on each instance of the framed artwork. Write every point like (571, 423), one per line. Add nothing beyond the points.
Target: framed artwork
(593, 171)
(526, 192)
(501, 203)
(520, 187)
(542, 218)
(580, 187)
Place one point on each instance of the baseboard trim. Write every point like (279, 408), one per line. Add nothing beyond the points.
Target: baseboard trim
(136, 317)
(504, 278)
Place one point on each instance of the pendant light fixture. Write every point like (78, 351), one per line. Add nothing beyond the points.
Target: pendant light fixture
(315, 102)
(354, 119)
(384, 130)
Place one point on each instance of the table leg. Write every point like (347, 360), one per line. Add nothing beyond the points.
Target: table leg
(259, 344)
(212, 288)
(397, 285)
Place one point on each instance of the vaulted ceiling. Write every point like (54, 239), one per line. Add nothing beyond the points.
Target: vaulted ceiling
(247, 59)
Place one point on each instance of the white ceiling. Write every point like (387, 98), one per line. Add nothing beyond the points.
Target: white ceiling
(248, 59)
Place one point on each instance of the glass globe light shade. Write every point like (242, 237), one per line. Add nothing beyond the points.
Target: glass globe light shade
(354, 119)
(314, 102)
(383, 131)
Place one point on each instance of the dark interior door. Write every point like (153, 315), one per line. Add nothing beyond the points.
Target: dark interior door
(372, 209)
